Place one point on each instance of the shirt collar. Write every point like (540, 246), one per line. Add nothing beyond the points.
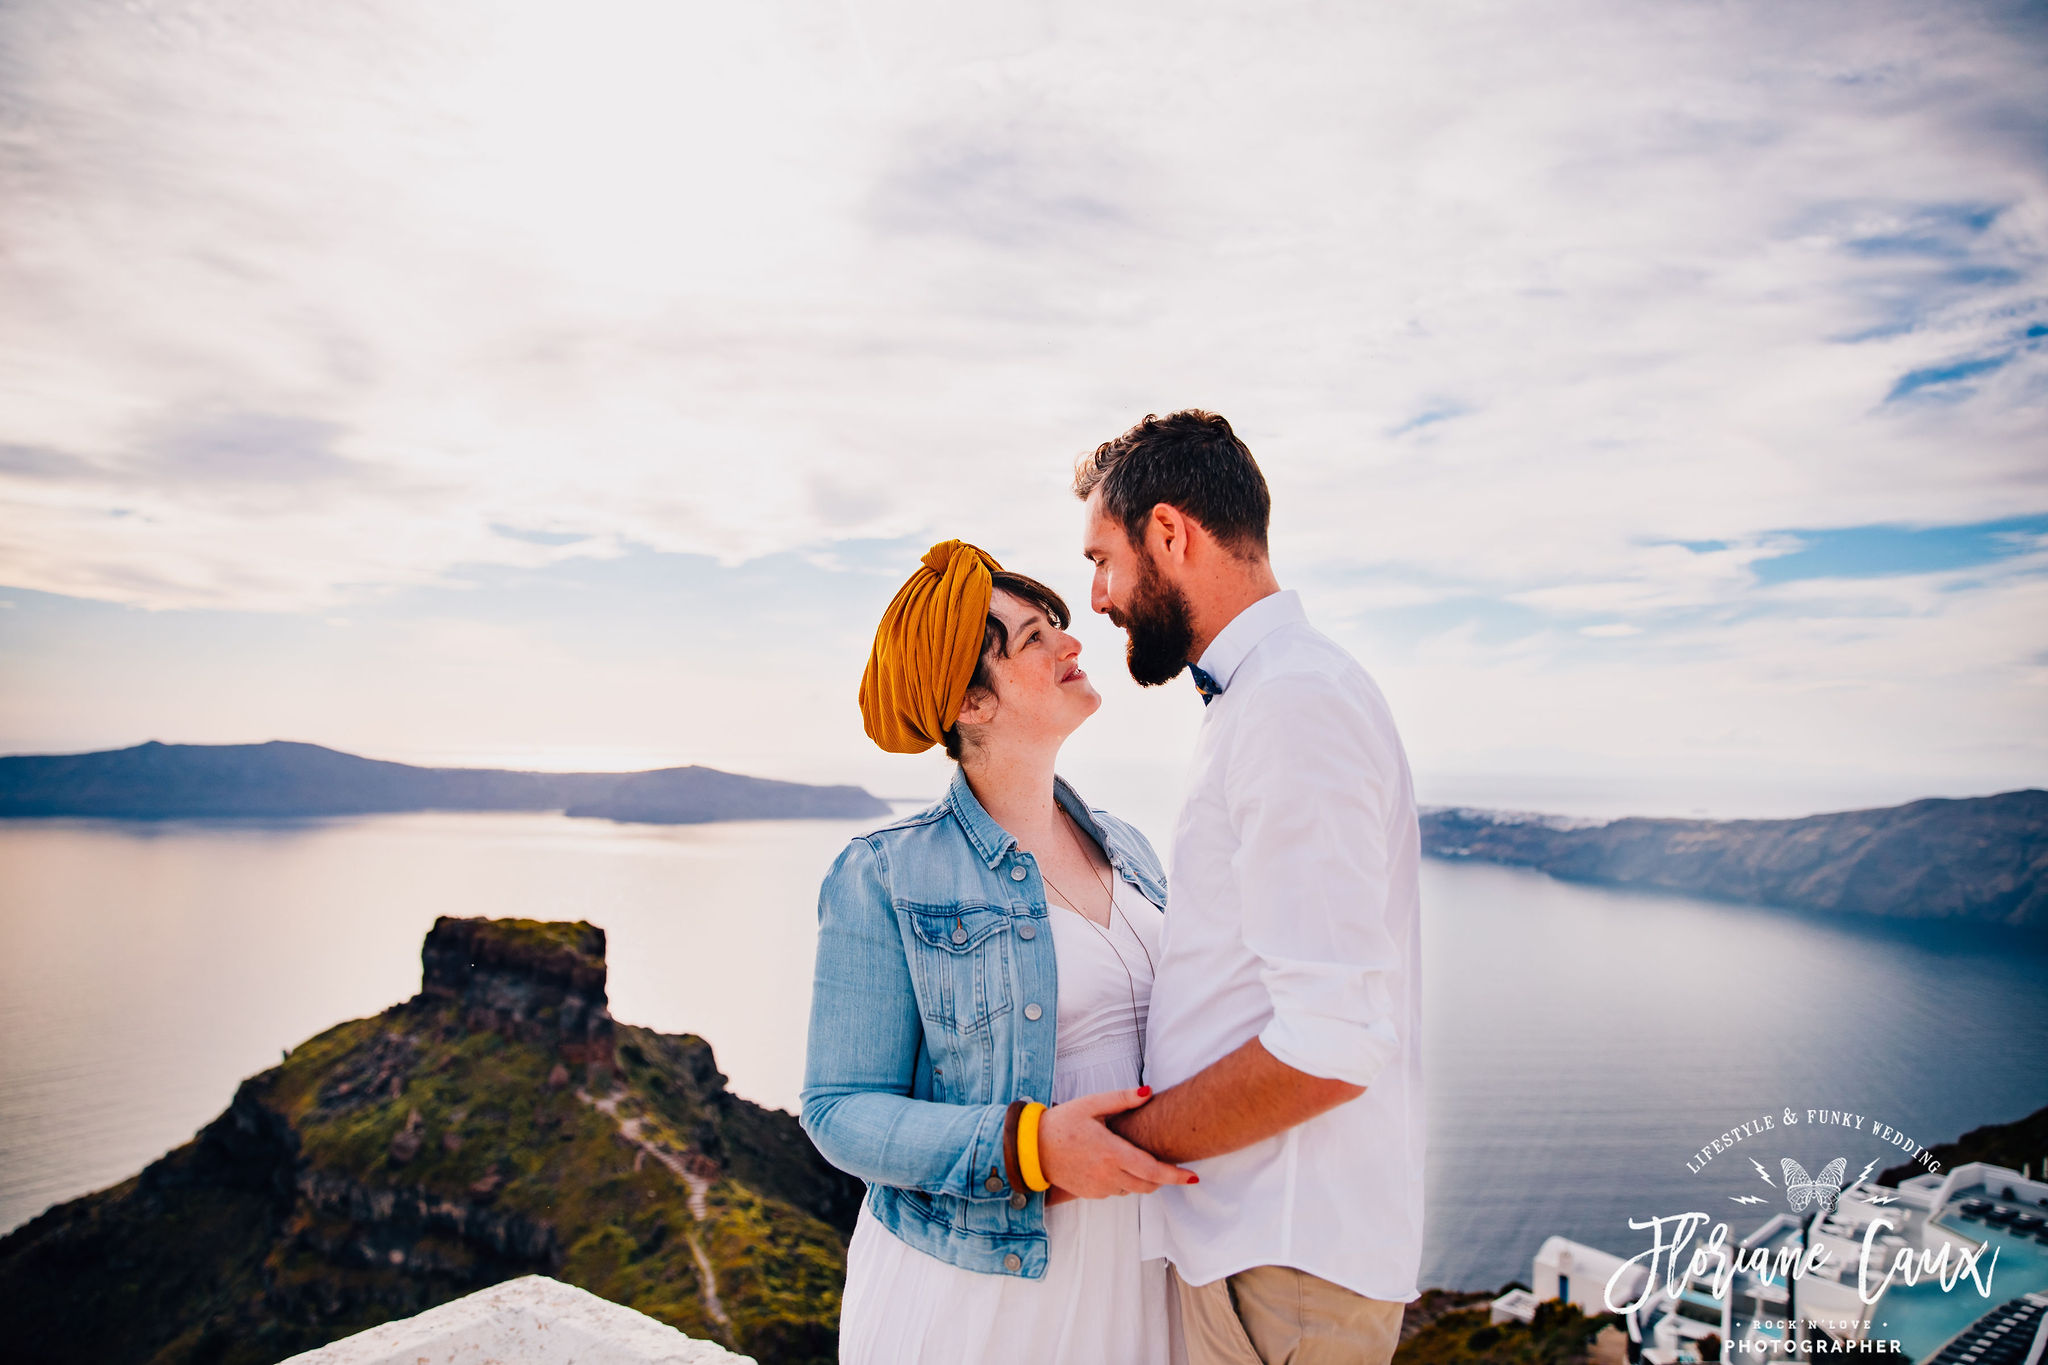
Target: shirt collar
(1234, 643)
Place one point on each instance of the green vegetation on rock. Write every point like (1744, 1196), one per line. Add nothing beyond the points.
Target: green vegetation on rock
(393, 1163)
(1454, 1331)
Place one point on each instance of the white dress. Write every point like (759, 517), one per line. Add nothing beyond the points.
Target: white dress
(1097, 1302)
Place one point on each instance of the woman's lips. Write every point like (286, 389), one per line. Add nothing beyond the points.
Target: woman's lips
(1077, 673)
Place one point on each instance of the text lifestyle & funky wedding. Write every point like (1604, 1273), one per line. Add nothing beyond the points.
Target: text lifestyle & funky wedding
(1817, 1118)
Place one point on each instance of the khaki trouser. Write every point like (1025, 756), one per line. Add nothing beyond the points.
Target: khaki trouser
(1277, 1315)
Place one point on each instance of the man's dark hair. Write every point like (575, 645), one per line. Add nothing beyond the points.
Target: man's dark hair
(1190, 459)
(995, 637)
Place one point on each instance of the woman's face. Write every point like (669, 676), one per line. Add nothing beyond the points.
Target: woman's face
(1041, 694)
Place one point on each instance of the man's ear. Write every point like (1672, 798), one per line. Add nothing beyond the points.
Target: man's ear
(1166, 532)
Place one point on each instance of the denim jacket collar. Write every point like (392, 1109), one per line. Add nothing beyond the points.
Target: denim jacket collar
(991, 841)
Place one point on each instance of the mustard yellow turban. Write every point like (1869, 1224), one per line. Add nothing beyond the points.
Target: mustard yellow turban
(926, 648)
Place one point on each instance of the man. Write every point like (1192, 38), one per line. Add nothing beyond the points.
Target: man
(1283, 1042)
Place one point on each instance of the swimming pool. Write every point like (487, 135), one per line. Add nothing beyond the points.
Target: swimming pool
(1922, 1316)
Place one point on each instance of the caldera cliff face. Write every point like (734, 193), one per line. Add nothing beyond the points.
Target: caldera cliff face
(499, 1123)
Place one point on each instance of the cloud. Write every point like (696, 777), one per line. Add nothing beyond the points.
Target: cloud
(248, 447)
(1546, 321)
(1001, 192)
(25, 462)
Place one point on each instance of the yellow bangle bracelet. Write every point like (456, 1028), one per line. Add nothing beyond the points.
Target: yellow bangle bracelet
(1027, 1146)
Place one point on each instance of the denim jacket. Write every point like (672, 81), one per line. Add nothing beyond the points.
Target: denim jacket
(933, 1006)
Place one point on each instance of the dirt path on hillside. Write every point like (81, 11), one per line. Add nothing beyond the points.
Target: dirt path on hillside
(697, 1185)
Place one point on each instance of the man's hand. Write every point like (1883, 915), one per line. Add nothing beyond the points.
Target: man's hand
(1078, 1154)
(1242, 1098)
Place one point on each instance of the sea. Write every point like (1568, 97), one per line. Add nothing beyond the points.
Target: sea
(1592, 1055)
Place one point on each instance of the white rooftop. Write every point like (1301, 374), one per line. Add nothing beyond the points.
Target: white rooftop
(533, 1320)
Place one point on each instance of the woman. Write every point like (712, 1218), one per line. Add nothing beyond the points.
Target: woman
(976, 960)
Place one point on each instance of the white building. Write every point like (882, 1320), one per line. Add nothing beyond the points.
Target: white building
(533, 1320)
(1996, 1216)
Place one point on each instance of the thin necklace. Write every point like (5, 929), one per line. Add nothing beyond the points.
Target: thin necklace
(1137, 1015)
(1073, 834)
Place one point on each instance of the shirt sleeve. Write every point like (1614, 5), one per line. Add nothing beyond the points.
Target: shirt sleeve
(1314, 776)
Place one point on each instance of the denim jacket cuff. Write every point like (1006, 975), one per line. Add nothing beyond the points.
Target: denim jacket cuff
(986, 1151)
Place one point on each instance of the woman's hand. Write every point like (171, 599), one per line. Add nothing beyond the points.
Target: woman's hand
(1079, 1154)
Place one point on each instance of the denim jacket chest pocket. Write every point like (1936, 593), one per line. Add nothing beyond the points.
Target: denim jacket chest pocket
(960, 962)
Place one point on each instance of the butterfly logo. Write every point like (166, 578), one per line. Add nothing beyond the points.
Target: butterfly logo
(1819, 1190)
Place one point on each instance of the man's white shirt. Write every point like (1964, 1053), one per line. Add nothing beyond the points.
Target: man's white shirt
(1293, 916)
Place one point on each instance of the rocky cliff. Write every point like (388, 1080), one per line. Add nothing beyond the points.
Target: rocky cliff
(2019, 1145)
(498, 1123)
(1982, 859)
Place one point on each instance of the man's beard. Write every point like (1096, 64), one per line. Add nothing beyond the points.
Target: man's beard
(1160, 629)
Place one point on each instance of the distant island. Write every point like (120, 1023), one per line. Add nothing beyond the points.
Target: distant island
(497, 1124)
(1981, 859)
(155, 781)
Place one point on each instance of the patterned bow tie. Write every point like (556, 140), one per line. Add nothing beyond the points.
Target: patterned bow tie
(1204, 684)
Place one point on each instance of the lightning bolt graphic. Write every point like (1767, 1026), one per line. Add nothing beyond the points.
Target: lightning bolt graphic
(1880, 1198)
(1745, 1199)
(1864, 1174)
(1764, 1173)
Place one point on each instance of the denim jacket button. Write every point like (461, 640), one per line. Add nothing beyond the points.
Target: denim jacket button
(1017, 874)
(1018, 1200)
(959, 935)
(1032, 1012)
(992, 1184)
(1027, 931)
(1013, 1262)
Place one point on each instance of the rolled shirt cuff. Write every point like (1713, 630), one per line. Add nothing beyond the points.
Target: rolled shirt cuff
(1338, 1049)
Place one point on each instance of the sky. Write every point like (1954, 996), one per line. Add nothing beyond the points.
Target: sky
(1654, 397)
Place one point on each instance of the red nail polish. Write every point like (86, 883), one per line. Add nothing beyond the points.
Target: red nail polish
(1144, 1092)
(1194, 1180)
